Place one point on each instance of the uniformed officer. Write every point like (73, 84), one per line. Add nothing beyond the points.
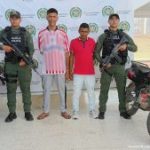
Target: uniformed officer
(105, 44)
(15, 67)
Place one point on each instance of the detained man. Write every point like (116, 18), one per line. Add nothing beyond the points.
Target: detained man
(82, 69)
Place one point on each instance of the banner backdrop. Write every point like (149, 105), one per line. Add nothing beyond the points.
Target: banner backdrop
(71, 15)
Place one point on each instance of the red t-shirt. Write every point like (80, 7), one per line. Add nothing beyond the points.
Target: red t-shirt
(83, 56)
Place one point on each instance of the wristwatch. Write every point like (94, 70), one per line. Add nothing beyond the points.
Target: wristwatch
(1, 45)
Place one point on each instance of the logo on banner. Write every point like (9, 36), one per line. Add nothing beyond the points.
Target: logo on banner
(62, 27)
(93, 27)
(7, 13)
(107, 10)
(41, 13)
(75, 12)
(31, 29)
(124, 25)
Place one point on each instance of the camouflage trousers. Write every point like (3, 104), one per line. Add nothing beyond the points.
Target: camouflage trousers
(118, 72)
(15, 73)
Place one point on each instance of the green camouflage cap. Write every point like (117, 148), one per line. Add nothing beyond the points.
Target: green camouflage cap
(15, 13)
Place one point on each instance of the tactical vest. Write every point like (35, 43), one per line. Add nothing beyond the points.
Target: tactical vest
(109, 43)
(19, 40)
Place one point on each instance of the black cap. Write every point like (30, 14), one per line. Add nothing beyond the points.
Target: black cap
(114, 15)
(15, 13)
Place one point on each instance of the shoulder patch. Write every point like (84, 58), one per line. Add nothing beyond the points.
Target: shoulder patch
(120, 30)
(23, 29)
(106, 31)
(7, 29)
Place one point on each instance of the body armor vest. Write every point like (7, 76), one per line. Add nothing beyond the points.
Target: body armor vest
(111, 40)
(17, 38)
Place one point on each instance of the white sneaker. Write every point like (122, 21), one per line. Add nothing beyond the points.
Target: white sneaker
(75, 115)
(92, 114)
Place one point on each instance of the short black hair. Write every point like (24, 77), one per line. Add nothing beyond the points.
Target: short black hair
(52, 10)
(84, 25)
(113, 15)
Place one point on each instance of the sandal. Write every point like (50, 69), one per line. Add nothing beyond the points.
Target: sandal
(65, 115)
(42, 116)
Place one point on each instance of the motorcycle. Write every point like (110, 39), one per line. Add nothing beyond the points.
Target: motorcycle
(138, 91)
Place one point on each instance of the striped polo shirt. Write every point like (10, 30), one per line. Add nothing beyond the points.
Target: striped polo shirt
(53, 45)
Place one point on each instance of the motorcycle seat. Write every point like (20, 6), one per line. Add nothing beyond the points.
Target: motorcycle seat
(144, 70)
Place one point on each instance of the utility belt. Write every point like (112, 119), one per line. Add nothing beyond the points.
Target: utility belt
(12, 60)
(116, 63)
(16, 61)
(115, 60)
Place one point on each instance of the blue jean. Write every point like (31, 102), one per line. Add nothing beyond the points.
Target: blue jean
(78, 81)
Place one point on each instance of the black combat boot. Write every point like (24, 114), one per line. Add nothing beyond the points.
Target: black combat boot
(101, 115)
(11, 117)
(28, 116)
(125, 115)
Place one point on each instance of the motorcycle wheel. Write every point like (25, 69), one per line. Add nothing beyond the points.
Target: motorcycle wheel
(132, 105)
(148, 123)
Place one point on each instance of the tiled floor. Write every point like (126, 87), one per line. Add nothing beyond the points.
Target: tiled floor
(55, 133)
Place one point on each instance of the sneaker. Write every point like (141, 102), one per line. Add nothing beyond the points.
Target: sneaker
(101, 115)
(75, 115)
(11, 117)
(125, 115)
(28, 116)
(92, 114)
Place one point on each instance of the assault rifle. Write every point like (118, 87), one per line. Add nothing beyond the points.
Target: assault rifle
(28, 60)
(114, 54)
